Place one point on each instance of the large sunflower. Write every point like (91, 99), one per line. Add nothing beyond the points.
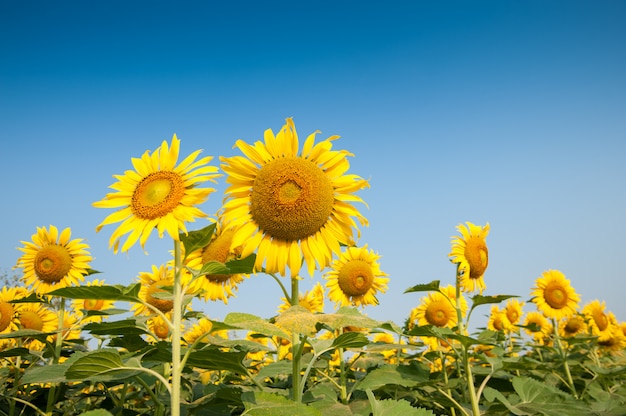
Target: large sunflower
(355, 278)
(554, 296)
(157, 194)
(216, 286)
(435, 309)
(53, 260)
(470, 252)
(290, 206)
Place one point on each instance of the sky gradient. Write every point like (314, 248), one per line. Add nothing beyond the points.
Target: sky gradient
(512, 113)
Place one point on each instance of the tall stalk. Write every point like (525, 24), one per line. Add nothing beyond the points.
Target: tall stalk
(176, 334)
(296, 350)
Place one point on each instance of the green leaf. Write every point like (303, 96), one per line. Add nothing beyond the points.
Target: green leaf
(54, 373)
(428, 287)
(123, 327)
(390, 407)
(237, 266)
(268, 404)
(345, 317)
(255, 324)
(484, 300)
(215, 359)
(350, 340)
(105, 364)
(27, 333)
(198, 239)
(104, 292)
(15, 352)
(400, 375)
(97, 412)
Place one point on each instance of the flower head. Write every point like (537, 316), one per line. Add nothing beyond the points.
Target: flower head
(290, 206)
(9, 310)
(198, 331)
(52, 260)
(538, 327)
(37, 317)
(355, 278)
(599, 320)
(572, 326)
(554, 296)
(470, 252)
(154, 290)
(82, 307)
(157, 194)
(312, 300)
(436, 309)
(513, 310)
(498, 321)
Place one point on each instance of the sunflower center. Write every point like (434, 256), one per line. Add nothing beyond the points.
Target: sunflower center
(512, 315)
(292, 198)
(157, 195)
(6, 314)
(93, 304)
(600, 319)
(219, 250)
(164, 305)
(556, 297)
(31, 320)
(355, 278)
(573, 326)
(477, 257)
(52, 263)
(436, 314)
(161, 330)
(498, 324)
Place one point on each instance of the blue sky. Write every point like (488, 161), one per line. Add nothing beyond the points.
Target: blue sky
(512, 113)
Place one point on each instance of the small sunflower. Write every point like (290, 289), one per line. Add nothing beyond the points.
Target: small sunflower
(554, 296)
(154, 288)
(289, 206)
(435, 309)
(8, 311)
(542, 327)
(81, 306)
(615, 341)
(38, 317)
(355, 278)
(159, 327)
(572, 326)
(157, 194)
(498, 321)
(198, 330)
(312, 300)
(470, 252)
(52, 260)
(513, 310)
(599, 320)
(216, 286)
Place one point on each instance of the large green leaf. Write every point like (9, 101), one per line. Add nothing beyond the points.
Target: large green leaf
(45, 374)
(102, 365)
(350, 340)
(104, 292)
(237, 266)
(347, 317)
(255, 324)
(406, 376)
(197, 239)
(123, 327)
(215, 359)
(390, 407)
(267, 404)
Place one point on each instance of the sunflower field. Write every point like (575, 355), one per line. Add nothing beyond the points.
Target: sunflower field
(70, 344)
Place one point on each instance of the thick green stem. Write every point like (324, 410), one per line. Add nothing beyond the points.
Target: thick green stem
(58, 345)
(563, 353)
(296, 351)
(176, 334)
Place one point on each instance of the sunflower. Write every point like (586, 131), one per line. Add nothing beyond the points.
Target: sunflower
(53, 260)
(513, 310)
(198, 330)
(37, 317)
(159, 327)
(216, 286)
(538, 327)
(155, 286)
(312, 300)
(157, 194)
(472, 256)
(572, 326)
(435, 309)
(81, 306)
(355, 278)
(8, 310)
(498, 321)
(615, 341)
(554, 296)
(290, 206)
(599, 321)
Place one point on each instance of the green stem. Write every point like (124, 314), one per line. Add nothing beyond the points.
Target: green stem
(176, 333)
(563, 353)
(58, 345)
(282, 287)
(296, 351)
(342, 378)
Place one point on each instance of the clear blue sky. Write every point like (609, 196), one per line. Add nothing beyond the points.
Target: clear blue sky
(512, 113)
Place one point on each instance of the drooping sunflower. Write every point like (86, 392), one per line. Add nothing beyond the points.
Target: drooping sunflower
(599, 320)
(83, 306)
(554, 295)
(435, 309)
(157, 194)
(154, 290)
(216, 286)
(538, 327)
(471, 254)
(355, 278)
(312, 300)
(52, 260)
(289, 206)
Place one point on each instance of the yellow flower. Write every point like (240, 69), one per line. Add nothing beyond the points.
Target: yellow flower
(498, 321)
(615, 340)
(599, 321)
(542, 327)
(435, 309)
(157, 194)
(198, 330)
(159, 327)
(8, 310)
(288, 205)
(355, 278)
(37, 317)
(513, 310)
(216, 286)
(470, 252)
(53, 260)
(155, 288)
(554, 296)
(81, 306)
(312, 300)
(571, 326)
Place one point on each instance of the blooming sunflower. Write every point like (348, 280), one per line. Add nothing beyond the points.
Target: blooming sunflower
(156, 283)
(554, 296)
(355, 278)
(470, 252)
(8, 310)
(81, 306)
(198, 330)
(157, 194)
(38, 317)
(435, 309)
(289, 206)
(52, 260)
(513, 310)
(216, 286)
(599, 321)
(572, 325)
(498, 321)
(159, 327)
(542, 327)
(312, 300)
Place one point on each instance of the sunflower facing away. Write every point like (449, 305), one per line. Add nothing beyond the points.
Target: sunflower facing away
(355, 278)
(290, 206)
(554, 296)
(470, 252)
(157, 194)
(52, 260)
